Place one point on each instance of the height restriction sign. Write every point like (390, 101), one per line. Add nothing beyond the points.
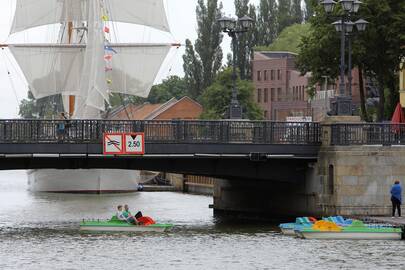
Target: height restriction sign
(134, 143)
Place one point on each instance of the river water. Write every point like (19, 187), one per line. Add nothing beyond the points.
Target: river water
(40, 231)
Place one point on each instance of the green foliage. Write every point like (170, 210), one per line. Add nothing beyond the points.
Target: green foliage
(284, 15)
(48, 107)
(289, 39)
(267, 22)
(245, 42)
(193, 70)
(378, 50)
(216, 98)
(172, 87)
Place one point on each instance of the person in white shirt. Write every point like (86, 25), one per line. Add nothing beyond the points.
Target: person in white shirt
(120, 213)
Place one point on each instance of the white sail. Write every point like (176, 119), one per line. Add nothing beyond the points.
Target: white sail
(33, 13)
(134, 68)
(52, 69)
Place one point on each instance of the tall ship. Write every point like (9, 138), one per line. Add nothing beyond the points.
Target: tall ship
(86, 66)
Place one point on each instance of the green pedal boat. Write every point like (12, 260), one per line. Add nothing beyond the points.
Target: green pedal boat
(115, 225)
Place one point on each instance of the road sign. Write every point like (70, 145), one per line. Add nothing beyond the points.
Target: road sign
(134, 143)
(113, 144)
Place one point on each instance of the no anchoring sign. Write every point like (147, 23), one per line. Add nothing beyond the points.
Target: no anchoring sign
(113, 144)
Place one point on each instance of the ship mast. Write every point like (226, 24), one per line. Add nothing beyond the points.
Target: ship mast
(72, 98)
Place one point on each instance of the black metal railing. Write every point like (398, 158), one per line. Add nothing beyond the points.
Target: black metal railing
(368, 134)
(91, 131)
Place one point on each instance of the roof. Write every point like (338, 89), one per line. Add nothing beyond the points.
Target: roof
(277, 54)
(149, 111)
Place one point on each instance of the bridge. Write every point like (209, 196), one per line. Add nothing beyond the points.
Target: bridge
(237, 149)
(276, 168)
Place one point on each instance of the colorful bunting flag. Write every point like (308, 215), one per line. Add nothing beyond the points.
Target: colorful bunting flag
(104, 18)
(106, 29)
(109, 81)
(108, 69)
(108, 57)
(110, 49)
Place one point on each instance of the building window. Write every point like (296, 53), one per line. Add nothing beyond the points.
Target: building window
(259, 95)
(265, 114)
(272, 75)
(265, 75)
(279, 94)
(266, 95)
(259, 75)
(278, 75)
(288, 75)
(272, 94)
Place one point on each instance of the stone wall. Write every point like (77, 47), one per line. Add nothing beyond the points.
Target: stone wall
(359, 178)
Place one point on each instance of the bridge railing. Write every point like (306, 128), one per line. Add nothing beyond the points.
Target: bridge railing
(368, 134)
(91, 131)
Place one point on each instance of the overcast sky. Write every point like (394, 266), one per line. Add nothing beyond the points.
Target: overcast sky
(181, 14)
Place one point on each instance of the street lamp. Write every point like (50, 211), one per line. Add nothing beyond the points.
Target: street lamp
(343, 104)
(234, 28)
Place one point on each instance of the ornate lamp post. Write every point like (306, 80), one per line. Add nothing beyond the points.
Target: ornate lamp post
(234, 28)
(343, 103)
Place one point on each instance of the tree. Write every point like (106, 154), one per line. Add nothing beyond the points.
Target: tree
(296, 12)
(193, 70)
(216, 98)
(46, 107)
(284, 17)
(246, 41)
(172, 87)
(309, 8)
(267, 22)
(377, 51)
(203, 60)
(289, 39)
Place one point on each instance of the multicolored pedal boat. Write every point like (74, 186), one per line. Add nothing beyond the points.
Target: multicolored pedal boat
(300, 222)
(115, 225)
(356, 231)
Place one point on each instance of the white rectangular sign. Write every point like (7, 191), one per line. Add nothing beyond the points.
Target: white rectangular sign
(134, 143)
(113, 144)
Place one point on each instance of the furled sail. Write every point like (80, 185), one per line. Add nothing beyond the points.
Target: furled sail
(52, 69)
(33, 13)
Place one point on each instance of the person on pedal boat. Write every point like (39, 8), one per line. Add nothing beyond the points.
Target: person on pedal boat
(128, 216)
(120, 213)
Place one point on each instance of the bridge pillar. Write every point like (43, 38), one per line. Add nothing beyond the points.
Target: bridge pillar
(268, 199)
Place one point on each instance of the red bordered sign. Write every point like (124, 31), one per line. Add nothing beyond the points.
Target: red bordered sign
(124, 143)
(113, 144)
(134, 143)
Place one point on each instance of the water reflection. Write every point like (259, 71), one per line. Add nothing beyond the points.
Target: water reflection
(40, 231)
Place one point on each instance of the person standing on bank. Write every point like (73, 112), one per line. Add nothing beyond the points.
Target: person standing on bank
(396, 198)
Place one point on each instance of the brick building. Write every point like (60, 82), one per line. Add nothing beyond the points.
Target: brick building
(280, 89)
(184, 108)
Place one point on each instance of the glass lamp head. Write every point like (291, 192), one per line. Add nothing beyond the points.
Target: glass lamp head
(328, 5)
(246, 22)
(361, 25)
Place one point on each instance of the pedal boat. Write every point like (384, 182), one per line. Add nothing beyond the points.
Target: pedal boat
(356, 231)
(115, 225)
(291, 228)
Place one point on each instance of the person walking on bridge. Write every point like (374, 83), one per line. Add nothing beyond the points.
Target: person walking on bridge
(396, 198)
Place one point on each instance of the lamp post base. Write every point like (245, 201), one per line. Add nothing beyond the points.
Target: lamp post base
(235, 111)
(341, 105)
